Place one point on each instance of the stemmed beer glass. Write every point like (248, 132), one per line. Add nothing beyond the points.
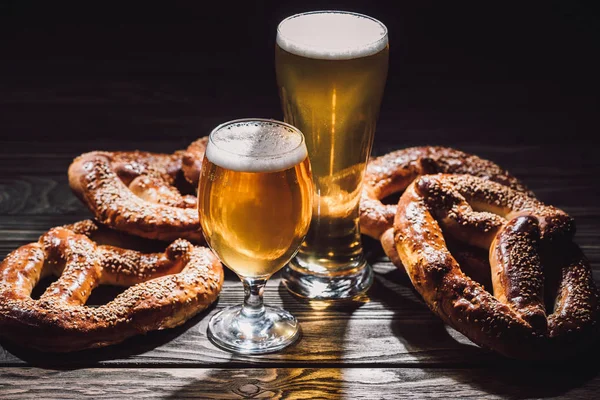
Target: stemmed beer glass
(255, 206)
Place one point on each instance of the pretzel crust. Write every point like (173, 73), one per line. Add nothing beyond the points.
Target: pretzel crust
(191, 164)
(393, 172)
(166, 289)
(532, 257)
(135, 192)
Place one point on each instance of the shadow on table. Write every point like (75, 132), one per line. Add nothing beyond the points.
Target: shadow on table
(520, 380)
(133, 346)
(483, 370)
(422, 333)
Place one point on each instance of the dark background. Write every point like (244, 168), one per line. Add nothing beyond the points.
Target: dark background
(505, 72)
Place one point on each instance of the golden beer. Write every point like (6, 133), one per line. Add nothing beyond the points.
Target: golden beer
(331, 72)
(254, 204)
(255, 211)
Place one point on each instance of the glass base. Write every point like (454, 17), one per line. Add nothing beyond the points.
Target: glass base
(231, 330)
(305, 283)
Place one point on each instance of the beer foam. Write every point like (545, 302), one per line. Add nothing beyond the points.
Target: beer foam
(332, 35)
(256, 145)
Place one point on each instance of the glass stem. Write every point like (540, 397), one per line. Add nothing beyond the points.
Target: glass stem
(253, 298)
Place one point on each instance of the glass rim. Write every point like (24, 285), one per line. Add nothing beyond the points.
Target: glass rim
(382, 37)
(269, 120)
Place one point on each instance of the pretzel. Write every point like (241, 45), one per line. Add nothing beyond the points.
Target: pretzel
(166, 289)
(192, 160)
(135, 192)
(544, 302)
(393, 172)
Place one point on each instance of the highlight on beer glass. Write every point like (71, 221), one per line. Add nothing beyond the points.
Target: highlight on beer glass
(331, 72)
(254, 203)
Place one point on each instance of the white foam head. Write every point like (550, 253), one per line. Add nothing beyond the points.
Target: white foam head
(332, 35)
(256, 145)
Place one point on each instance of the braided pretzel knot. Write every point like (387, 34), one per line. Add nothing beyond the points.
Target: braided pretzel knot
(534, 266)
(393, 172)
(166, 289)
(135, 192)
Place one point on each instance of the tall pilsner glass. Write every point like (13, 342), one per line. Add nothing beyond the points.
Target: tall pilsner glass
(331, 71)
(254, 201)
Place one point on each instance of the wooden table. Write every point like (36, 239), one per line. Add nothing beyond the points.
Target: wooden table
(511, 86)
(388, 346)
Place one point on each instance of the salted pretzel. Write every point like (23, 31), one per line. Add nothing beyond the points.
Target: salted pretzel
(192, 160)
(393, 172)
(544, 301)
(165, 289)
(136, 192)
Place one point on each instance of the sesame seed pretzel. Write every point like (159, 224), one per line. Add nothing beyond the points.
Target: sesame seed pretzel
(544, 302)
(393, 172)
(135, 192)
(164, 289)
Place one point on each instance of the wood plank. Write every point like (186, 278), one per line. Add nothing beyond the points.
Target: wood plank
(392, 326)
(388, 327)
(300, 383)
(50, 194)
(31, 205)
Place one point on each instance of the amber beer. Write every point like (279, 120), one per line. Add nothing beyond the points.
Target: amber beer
(254, 204)
(331, 71)
(255, 208)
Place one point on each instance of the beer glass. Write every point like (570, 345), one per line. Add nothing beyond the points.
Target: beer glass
(254, 203)
(331, 71)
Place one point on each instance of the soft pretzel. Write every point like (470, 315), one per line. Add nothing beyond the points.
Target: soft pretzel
(192, 160)
(135, 192)
(544, 302)
(393, 172)
(166, 289)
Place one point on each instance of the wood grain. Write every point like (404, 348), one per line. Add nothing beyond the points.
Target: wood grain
(387, 345)
(391, 326)
(297, 383)
(387, 328)
(133, 82)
